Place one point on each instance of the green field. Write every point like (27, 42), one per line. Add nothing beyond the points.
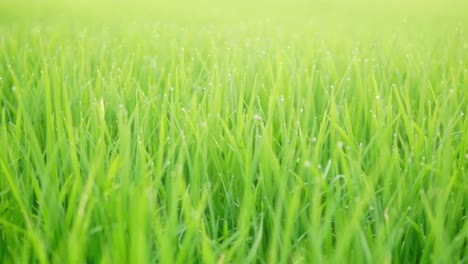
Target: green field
(233, 132)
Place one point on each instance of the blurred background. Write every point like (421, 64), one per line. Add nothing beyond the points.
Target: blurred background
(331, 11)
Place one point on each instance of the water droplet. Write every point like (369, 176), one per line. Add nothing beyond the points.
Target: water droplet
(307, 163)
(340, 144)
(202, 124)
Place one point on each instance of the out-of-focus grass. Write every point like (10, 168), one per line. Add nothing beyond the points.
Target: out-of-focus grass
(219, 132)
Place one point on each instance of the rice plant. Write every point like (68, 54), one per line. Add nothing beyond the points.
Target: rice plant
(233, 132)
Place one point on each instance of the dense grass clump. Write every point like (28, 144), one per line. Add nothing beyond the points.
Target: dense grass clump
(233, 132)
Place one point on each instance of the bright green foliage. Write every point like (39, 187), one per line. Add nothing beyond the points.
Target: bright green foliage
(230, 132)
